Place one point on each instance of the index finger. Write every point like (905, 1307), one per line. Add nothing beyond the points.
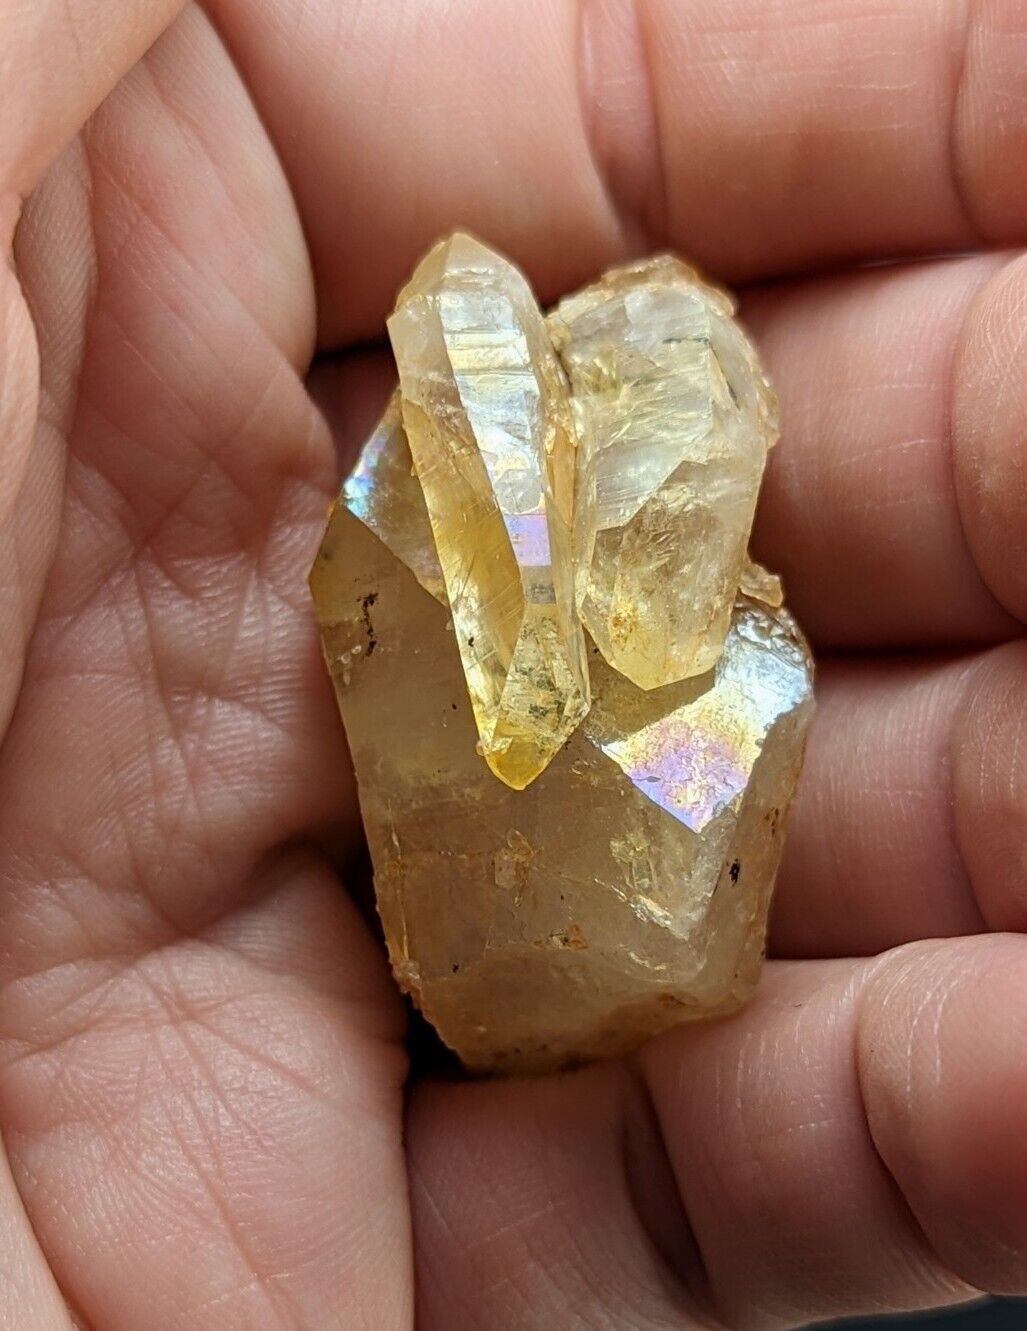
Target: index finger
(757, 136)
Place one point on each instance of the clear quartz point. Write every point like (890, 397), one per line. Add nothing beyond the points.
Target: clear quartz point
(485, 409)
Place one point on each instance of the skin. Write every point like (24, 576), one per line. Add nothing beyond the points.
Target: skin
(203, 1097)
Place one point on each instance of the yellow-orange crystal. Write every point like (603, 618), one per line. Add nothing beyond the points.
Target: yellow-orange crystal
(486, 413)
(626, 887)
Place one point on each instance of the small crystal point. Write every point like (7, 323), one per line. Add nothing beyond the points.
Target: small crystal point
(485, 411)
(674, 418)
(760, 584)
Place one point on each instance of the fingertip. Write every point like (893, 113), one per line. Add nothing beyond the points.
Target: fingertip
(989, 412)
(765, 1131)
(989, 782)
(942, 1034)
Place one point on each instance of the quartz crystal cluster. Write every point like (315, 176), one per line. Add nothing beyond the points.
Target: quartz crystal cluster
(576, 708)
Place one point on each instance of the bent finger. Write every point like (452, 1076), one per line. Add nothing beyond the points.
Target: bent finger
(861, 509)
(822, 1154)
(758, 138)
(912, 814)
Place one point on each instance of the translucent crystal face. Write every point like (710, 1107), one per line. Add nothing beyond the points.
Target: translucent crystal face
(484, 406)
(381, 492)
(674, 419)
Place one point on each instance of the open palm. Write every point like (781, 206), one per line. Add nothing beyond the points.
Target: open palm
(201, 1051)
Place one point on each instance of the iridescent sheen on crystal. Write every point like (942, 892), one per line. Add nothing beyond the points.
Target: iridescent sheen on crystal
(674, 419)
(485, 410)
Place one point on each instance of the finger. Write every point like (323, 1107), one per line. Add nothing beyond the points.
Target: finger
(43, 345)
(911, 818)
(838, 1148)
(989, 408)
(22, 574)
(758, 138)
(861, 506)
(911, 1063)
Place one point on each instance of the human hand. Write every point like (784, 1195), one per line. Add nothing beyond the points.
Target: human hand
(201, 1051)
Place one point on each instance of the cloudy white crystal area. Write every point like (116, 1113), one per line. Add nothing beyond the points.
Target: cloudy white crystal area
(674, 418)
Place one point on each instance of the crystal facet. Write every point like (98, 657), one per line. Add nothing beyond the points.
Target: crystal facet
(485, 409)
(674, 418)
(627, 888)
